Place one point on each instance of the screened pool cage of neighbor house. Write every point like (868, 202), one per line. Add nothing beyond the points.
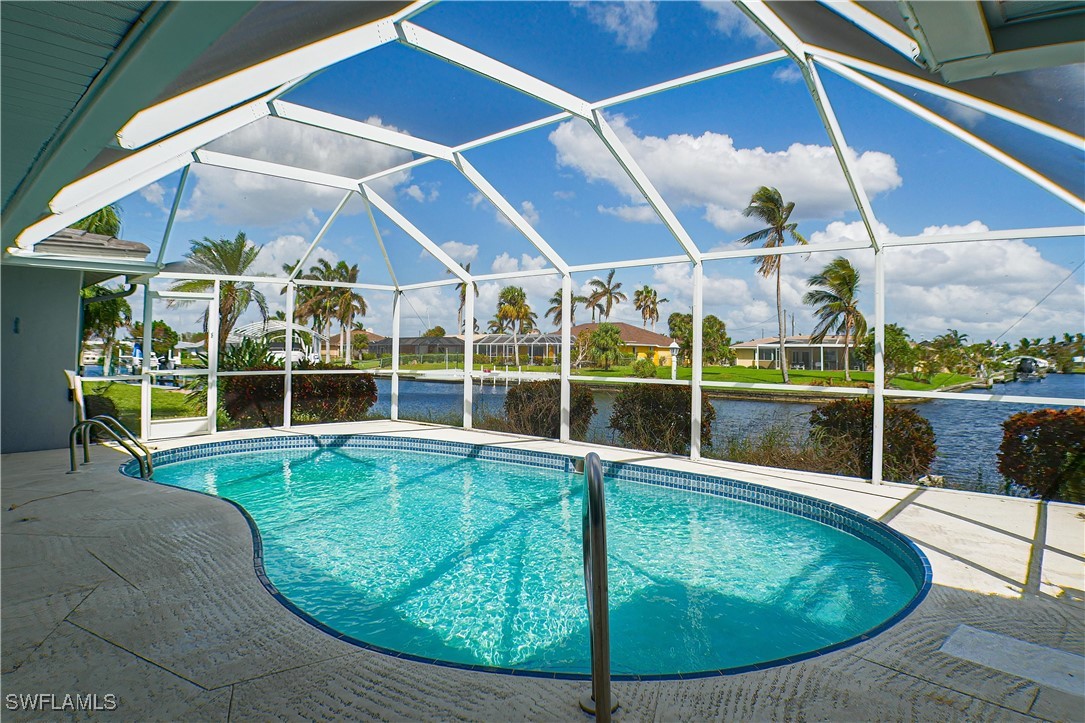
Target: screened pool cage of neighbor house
(853, 43)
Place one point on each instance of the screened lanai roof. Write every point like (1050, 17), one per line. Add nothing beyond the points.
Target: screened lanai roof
(253, 71)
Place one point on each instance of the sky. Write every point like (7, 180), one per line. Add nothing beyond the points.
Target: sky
(706, 147)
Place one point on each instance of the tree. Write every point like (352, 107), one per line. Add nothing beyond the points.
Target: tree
(837, 302)
(103, 318)
(163, 337)
(555, 308)
(605, 294)
(606, 344)
(437, 331)
(646, 300)
(319, 302)
(105, 221)
(900, 355)
(461, 289)
(512, 307)
(347, 303)
(1044, 450)
(950, 351)
(226, 258)
(715, 343)
(767, 205)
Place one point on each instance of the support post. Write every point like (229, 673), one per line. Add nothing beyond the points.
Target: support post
(396, 299)
(879, 364)
(468, 354)
(288, 380)
(145, 368)
(213, 360)
(698, 358)
(566, 354)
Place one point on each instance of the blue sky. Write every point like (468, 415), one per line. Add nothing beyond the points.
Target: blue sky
(707, 147)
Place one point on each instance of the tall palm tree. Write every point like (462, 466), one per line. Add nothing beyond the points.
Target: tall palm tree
(768, 206)
(347, 303)
(461, 289)
(104, 317)
(646, 300)
(837, 302)
(225, 258)
(606, 294)
(555, 308)
(512, 306)
(105, 221)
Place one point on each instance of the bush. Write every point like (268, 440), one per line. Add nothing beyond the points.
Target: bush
(846, 429)
(535, 408)
(1045, 452)
(644, 368)
(258, 400)
(658, 417)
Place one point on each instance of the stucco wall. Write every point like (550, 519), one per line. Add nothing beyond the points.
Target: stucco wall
(39, 339)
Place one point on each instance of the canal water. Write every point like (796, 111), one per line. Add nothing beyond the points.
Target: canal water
(968, 434)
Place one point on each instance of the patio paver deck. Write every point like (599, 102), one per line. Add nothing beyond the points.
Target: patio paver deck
(115, 585)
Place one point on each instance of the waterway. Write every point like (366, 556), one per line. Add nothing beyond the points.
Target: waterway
(968, 434)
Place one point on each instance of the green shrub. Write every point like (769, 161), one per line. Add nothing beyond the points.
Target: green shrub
(644, 368)
(535, 408)
(659, 417)
(257, 401)
(846, 429)
(1044, 451)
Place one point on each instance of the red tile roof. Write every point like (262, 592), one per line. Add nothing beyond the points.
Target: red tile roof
(631, 335)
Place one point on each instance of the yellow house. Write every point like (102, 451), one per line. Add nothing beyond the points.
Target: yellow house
(639, 342)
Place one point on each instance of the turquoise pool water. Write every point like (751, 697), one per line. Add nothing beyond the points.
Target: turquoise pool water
(479, 562)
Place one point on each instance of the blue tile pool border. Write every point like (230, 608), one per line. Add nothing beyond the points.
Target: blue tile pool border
(897, 546)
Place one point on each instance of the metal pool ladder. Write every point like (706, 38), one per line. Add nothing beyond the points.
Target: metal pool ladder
(594, 525)
(114, 429)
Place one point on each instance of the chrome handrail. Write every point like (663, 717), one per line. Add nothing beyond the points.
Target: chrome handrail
(119, 427)
(85, 425)
(594, 529)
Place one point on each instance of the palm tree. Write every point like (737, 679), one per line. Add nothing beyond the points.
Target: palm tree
(497, 325)
(605, 295)
(512, 306)
(646, 300)
(837, 303)
(105, 221)
(225, 258)
(461, 289)
(555, 308)
(104, 317)
(348, 303)
(767, 205)
(319, 302)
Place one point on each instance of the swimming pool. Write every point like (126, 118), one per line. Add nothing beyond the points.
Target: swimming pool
(470, 556)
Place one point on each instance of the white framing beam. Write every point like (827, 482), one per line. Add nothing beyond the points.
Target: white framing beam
(953, 129)
(468, 355)
(451, 51)
(275, 170)
(424, 241)
(319, 235)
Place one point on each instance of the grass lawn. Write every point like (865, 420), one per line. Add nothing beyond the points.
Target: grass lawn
(165, 403)
(771, 376)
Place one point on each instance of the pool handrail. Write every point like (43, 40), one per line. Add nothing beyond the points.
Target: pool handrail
(118, 426)
(594, 528)
(85, 426)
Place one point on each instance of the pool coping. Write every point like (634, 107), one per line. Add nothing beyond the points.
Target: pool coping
(904, 552)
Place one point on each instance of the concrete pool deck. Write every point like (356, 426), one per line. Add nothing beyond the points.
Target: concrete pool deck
(112, 585)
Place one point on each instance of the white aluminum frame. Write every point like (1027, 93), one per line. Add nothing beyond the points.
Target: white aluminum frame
(172, 135)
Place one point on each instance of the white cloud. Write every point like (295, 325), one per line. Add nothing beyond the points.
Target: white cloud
(505, 263)
(564, 195)
(529, 212)
(789, 73)
(464, 253)
(631, 23)
(236, 198)
(729, 20)
(153, 194)
(287, 250)
(418, 194)
(709, 172)
(637, 213)
(962, 114)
